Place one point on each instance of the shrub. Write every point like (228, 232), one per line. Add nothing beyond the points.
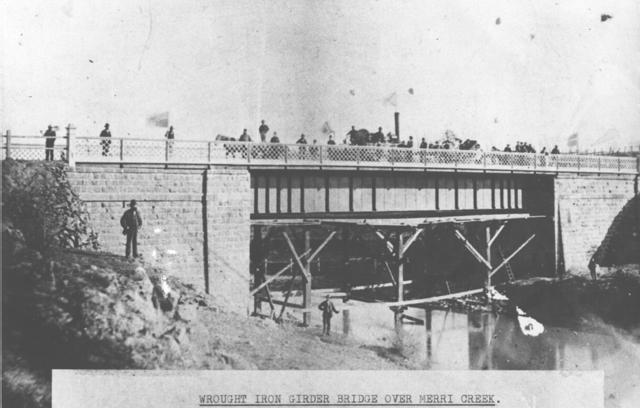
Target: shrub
(38, 200)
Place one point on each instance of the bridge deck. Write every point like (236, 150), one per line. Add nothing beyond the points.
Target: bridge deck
(91, 150)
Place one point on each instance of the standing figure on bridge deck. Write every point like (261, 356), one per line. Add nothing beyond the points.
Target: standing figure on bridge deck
(275, 138)
(263, 130)
(302, 139)
(131, 222)
(170, 136)
(244, 137)
(378, 137)
(50, 140)
(352, 135)
(328, 309)
(106, 143)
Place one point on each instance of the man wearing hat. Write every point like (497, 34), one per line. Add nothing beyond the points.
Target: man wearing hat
(328, 309)
(131, 222)
(106, 143)
(50, 140)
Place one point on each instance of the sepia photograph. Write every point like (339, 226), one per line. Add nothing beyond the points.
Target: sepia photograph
(320, 193)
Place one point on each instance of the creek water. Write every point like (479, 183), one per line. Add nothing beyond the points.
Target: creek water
(448, 340)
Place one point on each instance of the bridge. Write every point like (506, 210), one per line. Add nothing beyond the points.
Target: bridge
(93, 150)
(204, 202)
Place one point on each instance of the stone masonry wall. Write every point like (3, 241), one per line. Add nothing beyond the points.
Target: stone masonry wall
(173, 234)
(587, 205)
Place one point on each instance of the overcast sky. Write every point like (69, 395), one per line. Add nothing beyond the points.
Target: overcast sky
(496, 71)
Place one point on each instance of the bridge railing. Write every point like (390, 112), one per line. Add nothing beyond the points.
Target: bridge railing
(143, 151)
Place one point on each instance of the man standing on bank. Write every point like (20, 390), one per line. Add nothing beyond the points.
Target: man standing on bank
(50, 140)
(131, 222)
(328, 309)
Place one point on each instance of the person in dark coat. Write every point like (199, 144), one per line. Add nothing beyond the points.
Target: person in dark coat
(106, 144)
(328, 309)
(302, 139)
(131, 222)
(50, 140)
(275, 138)
(244, 137)
(170, 136)
(263, 130)
(378, 137)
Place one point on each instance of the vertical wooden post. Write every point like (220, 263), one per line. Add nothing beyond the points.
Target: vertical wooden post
(259, 273)
(487, 283)
(306, 315)
(346, 321)
(8, 144)
(71, 157)
(400, 267)
(427, 325)
(400, 287)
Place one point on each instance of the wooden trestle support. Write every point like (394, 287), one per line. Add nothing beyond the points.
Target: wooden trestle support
(398, 239)
(398, 250)
(301, 265)
(486, 261)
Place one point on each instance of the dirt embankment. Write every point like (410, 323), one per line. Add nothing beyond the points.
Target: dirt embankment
(76, 309)
(65, 307)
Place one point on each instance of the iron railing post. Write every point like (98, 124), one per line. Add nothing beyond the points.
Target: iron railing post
(8, 144)
(121, 151)
(247, 147)
(618, 164)
(320, 153)
(209, 152)
(166, 152)
(286, 153)
(578, 156)
(71, 157)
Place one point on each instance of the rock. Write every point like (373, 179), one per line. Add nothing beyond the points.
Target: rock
(181, 336)
(140, 274)
(187, 312)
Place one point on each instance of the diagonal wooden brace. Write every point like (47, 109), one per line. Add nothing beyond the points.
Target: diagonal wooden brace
(272, 277)
(300, 261)
(495, 236)
(390, 246)
(512, 255)
(471, 249)
(321, 247)
(410, 242)
(302, 266)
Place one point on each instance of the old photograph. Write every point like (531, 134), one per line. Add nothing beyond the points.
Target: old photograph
(429, 186)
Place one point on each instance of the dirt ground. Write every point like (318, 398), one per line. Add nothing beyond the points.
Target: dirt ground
(82, 309)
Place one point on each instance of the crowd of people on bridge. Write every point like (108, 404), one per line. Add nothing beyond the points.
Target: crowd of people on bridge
(354, 137)
(362, 137)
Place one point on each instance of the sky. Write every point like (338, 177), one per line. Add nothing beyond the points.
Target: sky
(497, 71)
